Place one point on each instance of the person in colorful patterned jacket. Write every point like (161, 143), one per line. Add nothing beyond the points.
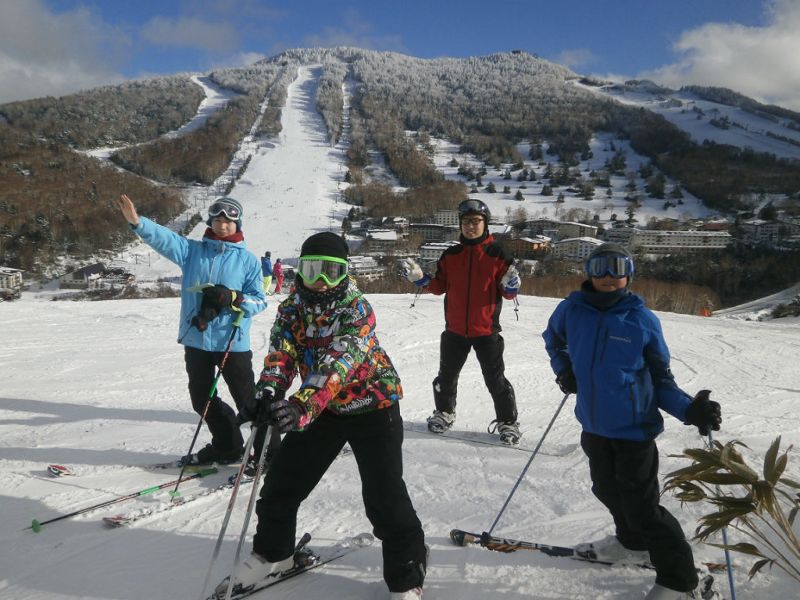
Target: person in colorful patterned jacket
(349, 394)
(221, 282)
(475, 275)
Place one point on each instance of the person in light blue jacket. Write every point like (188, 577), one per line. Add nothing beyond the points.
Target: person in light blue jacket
(608, 349)
(221, 292)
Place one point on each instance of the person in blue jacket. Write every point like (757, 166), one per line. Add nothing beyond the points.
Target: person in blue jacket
(608, 349)
(266, 270)
(221, 282)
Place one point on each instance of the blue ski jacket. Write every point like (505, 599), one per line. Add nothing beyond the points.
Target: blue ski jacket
(266, 266)
(621, 365)
(215, 262)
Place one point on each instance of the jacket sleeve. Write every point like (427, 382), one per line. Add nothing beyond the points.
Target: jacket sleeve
(656, 355)
(280, 364)
(438, 283)
(337, 363)
(555, 339)
(167, 243)
(253, 298)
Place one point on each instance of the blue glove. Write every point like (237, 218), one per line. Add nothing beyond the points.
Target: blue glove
(510, 281)
(285, 415)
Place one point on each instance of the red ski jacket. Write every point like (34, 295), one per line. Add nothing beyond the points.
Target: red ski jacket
(469, 275)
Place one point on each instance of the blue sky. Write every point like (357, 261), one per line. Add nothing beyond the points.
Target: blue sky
(57, 46)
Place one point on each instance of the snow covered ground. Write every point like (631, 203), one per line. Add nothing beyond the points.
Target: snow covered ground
(101, 387)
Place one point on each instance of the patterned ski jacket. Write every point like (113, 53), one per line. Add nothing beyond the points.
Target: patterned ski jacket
(334, 349)
(469, 275)
(621, 364)
(216, 262)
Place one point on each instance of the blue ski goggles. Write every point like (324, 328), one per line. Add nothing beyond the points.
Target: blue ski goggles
(609, 264)
(226, 209)
(330, 269)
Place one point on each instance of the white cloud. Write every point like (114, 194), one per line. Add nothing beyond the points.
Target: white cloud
(760, 62)
(356, 32)
(43, 53)
(191, 32)
(239, 59)
(575, 58)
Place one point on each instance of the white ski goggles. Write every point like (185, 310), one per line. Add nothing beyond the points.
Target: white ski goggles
(226, 209)
(330, 269)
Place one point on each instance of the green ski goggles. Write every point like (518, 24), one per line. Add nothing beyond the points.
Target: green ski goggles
(330, 269)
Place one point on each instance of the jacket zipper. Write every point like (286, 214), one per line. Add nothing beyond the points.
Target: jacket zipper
(600, 325)
(469, 291)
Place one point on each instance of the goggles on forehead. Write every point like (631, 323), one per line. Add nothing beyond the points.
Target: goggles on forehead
(226, 209)
(471, 206)
(330, 269)
(609, 264)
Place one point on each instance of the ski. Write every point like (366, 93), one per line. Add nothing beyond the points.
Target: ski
(305, 560)
(124, 519)
(475, 437)
(176, 464)
(37, 525)
(490, 542)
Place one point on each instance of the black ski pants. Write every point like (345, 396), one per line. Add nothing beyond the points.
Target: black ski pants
(201, 366)
(625, 479)
(303, 458)
(453, 352)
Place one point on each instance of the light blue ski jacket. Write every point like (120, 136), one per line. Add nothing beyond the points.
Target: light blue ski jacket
(215, 262)
(621, 365)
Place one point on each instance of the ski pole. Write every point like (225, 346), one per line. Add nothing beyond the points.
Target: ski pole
(211, 393)
(416, 295)
(37, 525)
(237, 482)
(250, 504)
(530, 460)
(724, 537)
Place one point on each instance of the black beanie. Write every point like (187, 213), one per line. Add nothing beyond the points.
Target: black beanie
(325, 244)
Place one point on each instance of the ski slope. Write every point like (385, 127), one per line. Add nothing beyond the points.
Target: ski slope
(101, 387)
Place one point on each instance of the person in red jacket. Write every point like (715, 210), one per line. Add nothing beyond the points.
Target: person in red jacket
(277, 270)
(475, 275)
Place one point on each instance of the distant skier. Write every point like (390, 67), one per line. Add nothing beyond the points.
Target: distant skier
(475, 275)
(277, 270)
(607, 348)
(266, 271)
(207, 318)
(349, 393)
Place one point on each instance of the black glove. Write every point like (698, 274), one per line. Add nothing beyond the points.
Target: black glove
(285, 415)
(566, 381)
(221, 297)
(703, 413)
(257, 410)
(206, 314)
